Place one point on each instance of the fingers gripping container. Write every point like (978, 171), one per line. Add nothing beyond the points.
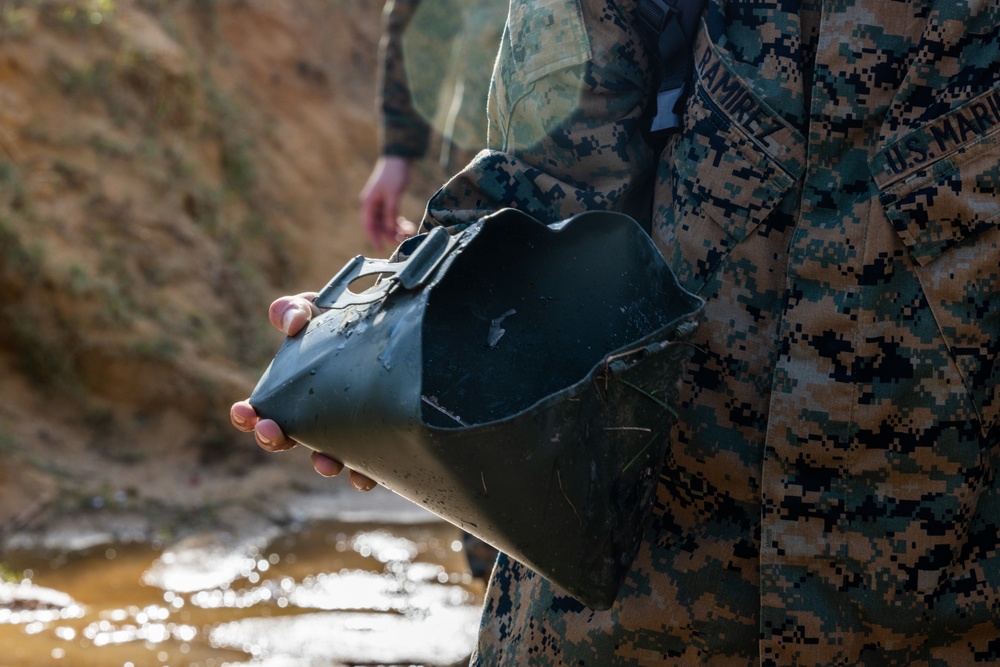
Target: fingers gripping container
(516, 379)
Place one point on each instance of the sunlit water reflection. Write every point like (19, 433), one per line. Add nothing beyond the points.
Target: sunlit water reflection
(331, 594)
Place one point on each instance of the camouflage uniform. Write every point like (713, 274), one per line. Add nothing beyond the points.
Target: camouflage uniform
(831, 495)
(435, 58)
(567, 114)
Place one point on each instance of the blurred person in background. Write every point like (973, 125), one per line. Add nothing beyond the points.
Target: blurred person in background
(435, 62)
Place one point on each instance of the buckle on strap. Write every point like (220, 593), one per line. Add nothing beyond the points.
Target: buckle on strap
(655, 14)
(409, 273)
(666, 102)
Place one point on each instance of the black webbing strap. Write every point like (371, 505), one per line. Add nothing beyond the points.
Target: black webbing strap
(674, 22)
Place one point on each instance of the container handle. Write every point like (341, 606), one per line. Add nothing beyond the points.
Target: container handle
(409, 273)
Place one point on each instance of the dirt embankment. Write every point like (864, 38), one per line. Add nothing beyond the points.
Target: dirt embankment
(166, 169)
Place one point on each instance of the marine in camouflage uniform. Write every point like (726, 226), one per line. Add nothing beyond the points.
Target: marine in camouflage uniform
(435, 59)
(830, 496)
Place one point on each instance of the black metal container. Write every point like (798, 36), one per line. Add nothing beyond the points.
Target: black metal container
(516, 379)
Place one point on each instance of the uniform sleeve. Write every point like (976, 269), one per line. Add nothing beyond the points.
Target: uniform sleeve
(403, 131)
(567, 119)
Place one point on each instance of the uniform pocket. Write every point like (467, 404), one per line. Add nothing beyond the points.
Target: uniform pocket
(546, 36)
(939, 186)
(543, 39)
(734, 182)
(734, 162)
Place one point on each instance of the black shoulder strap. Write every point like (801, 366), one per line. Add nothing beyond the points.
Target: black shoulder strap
(674, 23)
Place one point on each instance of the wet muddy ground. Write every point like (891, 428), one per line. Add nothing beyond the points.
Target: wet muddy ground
(341, 589)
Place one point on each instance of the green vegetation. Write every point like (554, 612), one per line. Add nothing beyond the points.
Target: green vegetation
(228, 127)
(12, 187)
(19, 263)
(15, 18)
(106, 146)
(40, 352)
(8, 444)
(8, 575)
(121, 205)
(159, 349)
(41, 355)
(78, 280)
(102, 425)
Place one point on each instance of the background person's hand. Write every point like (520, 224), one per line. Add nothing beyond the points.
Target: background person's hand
(380, 199)
(290, 314)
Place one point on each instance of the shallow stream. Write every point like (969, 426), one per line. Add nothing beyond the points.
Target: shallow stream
(330, 593)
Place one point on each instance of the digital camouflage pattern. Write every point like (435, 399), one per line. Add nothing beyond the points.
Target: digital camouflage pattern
(830, 496)
(435, 60)
(567, 114)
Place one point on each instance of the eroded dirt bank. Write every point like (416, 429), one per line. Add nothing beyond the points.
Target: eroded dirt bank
(166, 170)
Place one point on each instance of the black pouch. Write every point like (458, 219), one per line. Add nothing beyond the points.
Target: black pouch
(516, 379)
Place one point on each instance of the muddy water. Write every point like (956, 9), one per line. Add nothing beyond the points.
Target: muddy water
(330, 593)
